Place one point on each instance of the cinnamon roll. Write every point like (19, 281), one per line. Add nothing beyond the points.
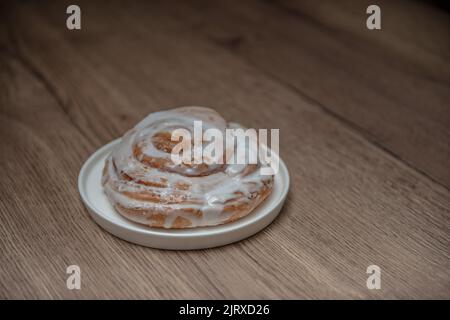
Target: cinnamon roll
(146, 186)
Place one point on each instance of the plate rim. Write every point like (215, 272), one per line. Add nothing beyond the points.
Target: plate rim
(199, 232)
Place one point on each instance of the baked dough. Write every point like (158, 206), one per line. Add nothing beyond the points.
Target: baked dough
(146, 186)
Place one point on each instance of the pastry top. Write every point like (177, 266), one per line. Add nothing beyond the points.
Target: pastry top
(146, 186)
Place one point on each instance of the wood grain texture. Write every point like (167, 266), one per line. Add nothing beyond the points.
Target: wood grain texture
(359, 196)
(391, 85)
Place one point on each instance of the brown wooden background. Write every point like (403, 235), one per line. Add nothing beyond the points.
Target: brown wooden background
(364, 123)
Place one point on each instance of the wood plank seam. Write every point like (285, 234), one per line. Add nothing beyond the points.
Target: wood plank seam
(355, 128)
(234, 42)
(250, 37)
(356, 207)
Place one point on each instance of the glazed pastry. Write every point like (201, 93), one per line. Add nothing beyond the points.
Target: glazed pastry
(146, 186)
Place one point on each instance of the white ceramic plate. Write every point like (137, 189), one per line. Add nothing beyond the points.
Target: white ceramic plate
(91, 191)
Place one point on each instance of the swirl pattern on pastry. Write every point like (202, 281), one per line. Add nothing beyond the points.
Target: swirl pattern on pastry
(146, 186)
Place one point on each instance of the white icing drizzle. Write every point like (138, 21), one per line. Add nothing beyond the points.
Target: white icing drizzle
(178, 191)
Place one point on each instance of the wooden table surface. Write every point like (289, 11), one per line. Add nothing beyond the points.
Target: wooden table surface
(364, 120)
